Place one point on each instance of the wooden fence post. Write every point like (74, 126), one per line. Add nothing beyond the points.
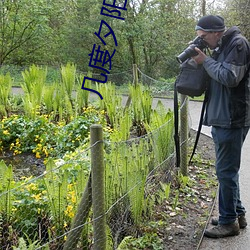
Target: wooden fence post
(135, 78)
(135, 74)
(98, 194)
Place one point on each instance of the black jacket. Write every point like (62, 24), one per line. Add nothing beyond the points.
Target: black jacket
(229, 90)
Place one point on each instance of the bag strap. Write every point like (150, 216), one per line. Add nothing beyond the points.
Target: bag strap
(176, 126)
(199, 127)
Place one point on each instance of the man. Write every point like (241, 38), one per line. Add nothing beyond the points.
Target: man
(228, 112)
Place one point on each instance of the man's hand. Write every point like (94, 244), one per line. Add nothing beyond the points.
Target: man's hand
(200, 58)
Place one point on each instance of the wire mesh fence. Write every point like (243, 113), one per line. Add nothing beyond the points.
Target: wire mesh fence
(41, 210)
(55, 210)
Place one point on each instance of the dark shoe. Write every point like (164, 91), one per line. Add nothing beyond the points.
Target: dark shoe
(241, 219)
(221, 231)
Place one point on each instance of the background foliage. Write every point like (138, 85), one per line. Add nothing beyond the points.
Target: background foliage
(49, 32)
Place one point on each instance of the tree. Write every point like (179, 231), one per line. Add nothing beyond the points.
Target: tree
(237, 13)
(21, 21)
(79, 32)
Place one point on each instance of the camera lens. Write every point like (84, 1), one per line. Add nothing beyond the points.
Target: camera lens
(190, 50)
(187, 53)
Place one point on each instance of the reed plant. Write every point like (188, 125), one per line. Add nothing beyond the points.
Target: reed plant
(56, 187)
(6, 196)
(122, 130)
(48, 98)
(126, 172)
(161, 130)
(141, 105)
(5, 90)
(34, 80)
(62, 106)
(68, 74)
(112, 108)
(82, 96)
(136, 178)
(56, 184)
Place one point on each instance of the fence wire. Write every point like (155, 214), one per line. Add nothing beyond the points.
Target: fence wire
(44, 210)
(40, 211)
(161, 87)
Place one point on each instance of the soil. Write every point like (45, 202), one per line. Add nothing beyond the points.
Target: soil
(186, 223)
(24, 164)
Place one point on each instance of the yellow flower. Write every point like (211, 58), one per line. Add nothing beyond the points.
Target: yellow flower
(45, 151)
(16, 152)
(14, 209)
(73, 199)
(69, 211)
(102, 112)
(38, 155)
(31, 187)
(12, 145)
(37, 196)
(6, 132)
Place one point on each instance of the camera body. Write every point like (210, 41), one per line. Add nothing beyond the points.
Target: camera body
(190, 51)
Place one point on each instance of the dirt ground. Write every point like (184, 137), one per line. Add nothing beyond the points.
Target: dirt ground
(187, 222)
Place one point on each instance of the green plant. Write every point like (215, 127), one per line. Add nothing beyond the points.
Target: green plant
(48, 98)
(184, 181)
(176, 199)
(68, 74)
(56, 187)
(121, 131)
(161, 128)
(23, 134)
(164, 191)
(126, 172)
(141, 104)
(82, 96)
(43, 137)
(62, 104)
(6, 184)
(22, 245)
(33, 86)
(147, 241)
(5, 90)
(113, 109)
(30, 208)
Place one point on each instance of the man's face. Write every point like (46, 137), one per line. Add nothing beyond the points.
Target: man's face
(211, 38)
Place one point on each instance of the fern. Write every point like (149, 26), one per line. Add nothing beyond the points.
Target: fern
(82, 96)
(48, 98)
(6, 184)
(114, 108)
(33, 86)
(56, 185)
(161, 126)
(68, 74)
(5, 90)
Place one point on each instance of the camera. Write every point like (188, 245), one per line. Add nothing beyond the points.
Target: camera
(190, 51)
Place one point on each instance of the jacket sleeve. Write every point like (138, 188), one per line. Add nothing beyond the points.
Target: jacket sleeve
(234, 66)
